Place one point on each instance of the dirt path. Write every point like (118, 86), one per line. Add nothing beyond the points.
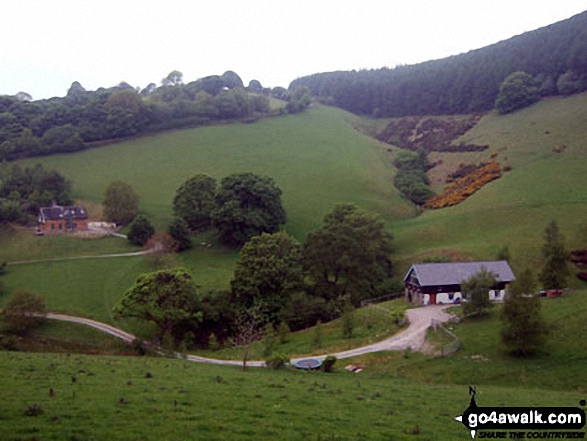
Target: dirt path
(411, 337)
(98, 256)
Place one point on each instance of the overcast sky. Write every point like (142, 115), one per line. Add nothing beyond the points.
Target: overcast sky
(46, 45)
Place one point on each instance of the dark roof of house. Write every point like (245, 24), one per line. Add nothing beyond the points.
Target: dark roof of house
(434, 274)
(57, 212)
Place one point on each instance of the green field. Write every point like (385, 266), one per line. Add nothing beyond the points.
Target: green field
(318, 160)
(315, 158)
(484, 360)
(115, 400)
(515, 209)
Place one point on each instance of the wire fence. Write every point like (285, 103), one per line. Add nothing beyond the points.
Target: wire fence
(382, 299)
(374, 310)
(448, 348)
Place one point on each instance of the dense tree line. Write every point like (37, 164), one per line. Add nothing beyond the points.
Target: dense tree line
(69, 124)
(555, 56)
(23, 190)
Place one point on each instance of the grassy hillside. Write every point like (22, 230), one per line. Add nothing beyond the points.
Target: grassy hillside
(514, 210)
(314, 157)
(483, 358)
(113, 398)
(318, 159)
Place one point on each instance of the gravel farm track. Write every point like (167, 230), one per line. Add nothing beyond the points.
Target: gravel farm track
(412, 337)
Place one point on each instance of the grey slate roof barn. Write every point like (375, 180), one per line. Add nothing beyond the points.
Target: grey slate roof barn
(431, 283)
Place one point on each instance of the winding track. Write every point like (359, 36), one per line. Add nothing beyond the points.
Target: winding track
(411, 337)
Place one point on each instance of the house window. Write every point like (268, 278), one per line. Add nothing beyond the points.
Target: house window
(60, 227)
(52, 227)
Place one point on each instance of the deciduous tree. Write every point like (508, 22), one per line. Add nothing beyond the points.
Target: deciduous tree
(268, 272)
(194, 201)
(524, 331)
(476, 290)
(246, 206)
(517, 91)
(247, 328)
(179, 230)
(166, 298)
(121, 203)
(555, 271)
(140, 231)
(349, 255)
(24, 311)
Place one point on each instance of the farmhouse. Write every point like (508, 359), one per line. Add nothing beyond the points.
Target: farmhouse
(57, 219)
(436, 283)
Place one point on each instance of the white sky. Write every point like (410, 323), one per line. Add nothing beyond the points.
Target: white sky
(46, 45)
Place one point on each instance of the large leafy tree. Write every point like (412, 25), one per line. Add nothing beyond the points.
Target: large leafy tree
(476, 290)
(555, 271)
(517, 91)
(141, 231)
(166, 298)
(524, 331)
(121, 203)
(268, 271)
(246, 206)
(194, 201)
(174, 78)
(349, 255)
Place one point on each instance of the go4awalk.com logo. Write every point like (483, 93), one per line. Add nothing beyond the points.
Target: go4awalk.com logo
(523, 422)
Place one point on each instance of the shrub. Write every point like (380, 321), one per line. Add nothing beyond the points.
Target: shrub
(138, 346)
(277, 361)
(141, 231)
(213, 342)
(268, 339)
(34, 410)
(328, 363)
(517, 91)
(464, 187)
(348, 321)
(25, 310)
(284, 332)
(318, 335)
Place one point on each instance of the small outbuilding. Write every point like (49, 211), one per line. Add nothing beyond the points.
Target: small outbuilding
(438, 283)
(57, 219)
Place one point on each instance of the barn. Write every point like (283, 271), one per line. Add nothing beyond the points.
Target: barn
(57, 219)
(438, 283)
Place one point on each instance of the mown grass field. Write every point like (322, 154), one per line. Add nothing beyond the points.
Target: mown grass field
(19, 245)
(113, 398)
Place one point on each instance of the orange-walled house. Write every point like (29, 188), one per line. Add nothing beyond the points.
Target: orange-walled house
(56, 219)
